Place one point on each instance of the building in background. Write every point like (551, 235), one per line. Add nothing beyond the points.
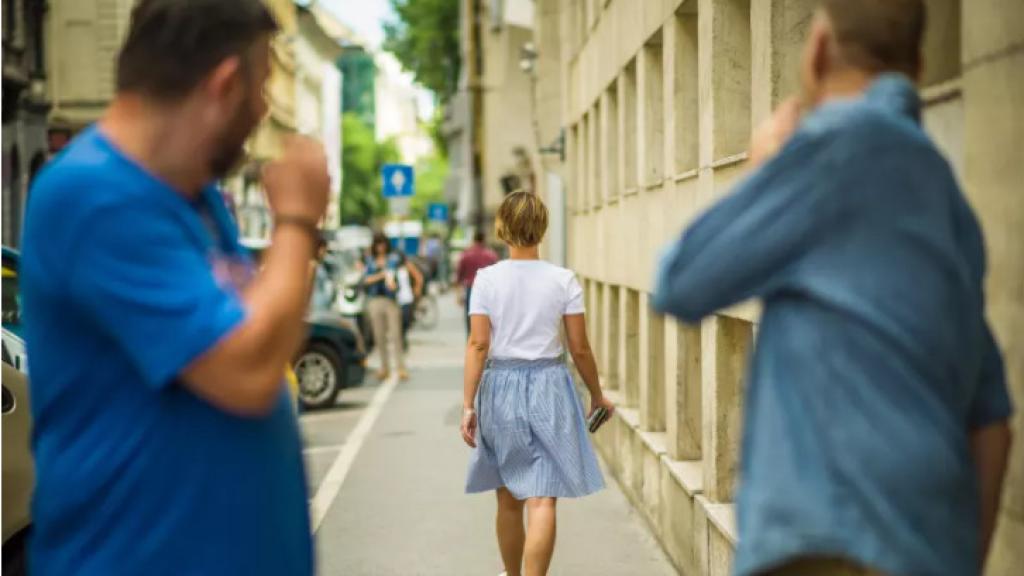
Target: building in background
(25, 107)
(318, 94)
(398, 114)
(267, 143)
(489, 125)
(657, 103)
(84, 39)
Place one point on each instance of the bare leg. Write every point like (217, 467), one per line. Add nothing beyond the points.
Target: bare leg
(511, 536)
(540, 535)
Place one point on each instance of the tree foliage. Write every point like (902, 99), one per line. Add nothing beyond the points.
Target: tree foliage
(431, 173)
(425, 39)
(362, 158)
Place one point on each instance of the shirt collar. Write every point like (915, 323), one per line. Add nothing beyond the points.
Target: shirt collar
(895, 93)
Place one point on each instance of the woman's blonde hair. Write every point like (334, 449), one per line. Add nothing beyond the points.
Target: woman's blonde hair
(522, 220)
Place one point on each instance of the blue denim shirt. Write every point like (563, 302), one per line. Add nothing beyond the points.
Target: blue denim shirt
(873, 360)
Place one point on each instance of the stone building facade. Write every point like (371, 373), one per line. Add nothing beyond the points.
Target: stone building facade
(25, 108)
(658, 98)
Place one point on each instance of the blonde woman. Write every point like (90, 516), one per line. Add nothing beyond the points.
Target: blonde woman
(521, 414)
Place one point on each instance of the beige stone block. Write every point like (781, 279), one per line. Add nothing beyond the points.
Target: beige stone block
(991, 27)
(726, 344)
(720, 553)
(650, 481)
(635, 473)
(685, 430)
(628, 455)
(631, 356)
(702, 536)
(652, 391)
(942, 50)
(677, 523)
(610, 339)
(993, 172)
(724, 77)
(1007, 554)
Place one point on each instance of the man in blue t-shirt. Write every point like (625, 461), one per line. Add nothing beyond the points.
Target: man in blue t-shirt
(164, 438)
(876, 433)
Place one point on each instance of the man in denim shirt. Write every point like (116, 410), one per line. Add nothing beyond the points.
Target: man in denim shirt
(875, 434)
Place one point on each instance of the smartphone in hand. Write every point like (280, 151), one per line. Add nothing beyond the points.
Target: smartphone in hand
(597, 418)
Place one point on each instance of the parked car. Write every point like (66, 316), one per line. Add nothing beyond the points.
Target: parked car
(332, 358)
(18, 470)
(13, 345)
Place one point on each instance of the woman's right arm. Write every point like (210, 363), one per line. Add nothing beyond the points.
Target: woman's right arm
(583, 357)
(476, 357)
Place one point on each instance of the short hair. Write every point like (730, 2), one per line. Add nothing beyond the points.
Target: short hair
(879, 35)
(522, 220)
(172, 45)
(479, 237)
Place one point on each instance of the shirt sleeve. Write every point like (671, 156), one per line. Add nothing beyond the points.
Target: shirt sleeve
(744, 245)
(480, 296)
(142, 282)
(991, 403)
(574, 298)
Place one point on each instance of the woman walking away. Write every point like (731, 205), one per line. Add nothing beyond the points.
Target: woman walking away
(521, 413)
(381, 281)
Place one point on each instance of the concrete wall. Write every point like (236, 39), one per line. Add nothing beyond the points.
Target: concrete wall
(658, 100)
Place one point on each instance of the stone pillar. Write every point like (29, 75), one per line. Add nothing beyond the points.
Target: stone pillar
(724, 78)
(726, 343)
(683, 389)
(630, 361)
(652, 380)
(993, 87)
(611, 338)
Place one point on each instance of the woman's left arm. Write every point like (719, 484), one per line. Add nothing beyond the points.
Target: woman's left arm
(476, 356)
(417, 278)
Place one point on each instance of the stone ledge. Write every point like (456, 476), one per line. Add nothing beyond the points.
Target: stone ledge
(729, 160)
(687, 473)
(942, 92)
(656, 442)
(688, 175)
(723, 516)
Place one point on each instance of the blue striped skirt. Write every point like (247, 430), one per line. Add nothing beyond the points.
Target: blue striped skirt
(531, 433)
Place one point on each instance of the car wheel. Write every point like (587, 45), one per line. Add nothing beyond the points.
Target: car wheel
(15, 555)
(320, 374)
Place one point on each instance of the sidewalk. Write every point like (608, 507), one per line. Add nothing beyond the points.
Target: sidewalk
(401, 510)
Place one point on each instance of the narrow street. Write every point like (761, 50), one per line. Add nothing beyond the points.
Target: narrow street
(386, 470)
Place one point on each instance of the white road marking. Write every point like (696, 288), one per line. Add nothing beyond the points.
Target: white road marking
(331, 485)
(322, 449)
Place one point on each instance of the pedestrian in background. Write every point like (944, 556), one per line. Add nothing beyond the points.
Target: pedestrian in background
(875, 433)
(475, 258)
(521, 413)
(410, 288)
(164, 437)
(381, 282)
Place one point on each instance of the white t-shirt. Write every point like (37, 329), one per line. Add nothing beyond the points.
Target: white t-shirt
(405, 294)
(526, 300)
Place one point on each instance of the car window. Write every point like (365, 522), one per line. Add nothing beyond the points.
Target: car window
(11, 298)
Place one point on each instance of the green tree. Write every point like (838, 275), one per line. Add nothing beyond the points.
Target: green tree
(361, 159)
(431, 173)
(425, 39)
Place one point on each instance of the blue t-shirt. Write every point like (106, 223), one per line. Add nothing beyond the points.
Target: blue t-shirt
(125, 283)
(874, 361)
